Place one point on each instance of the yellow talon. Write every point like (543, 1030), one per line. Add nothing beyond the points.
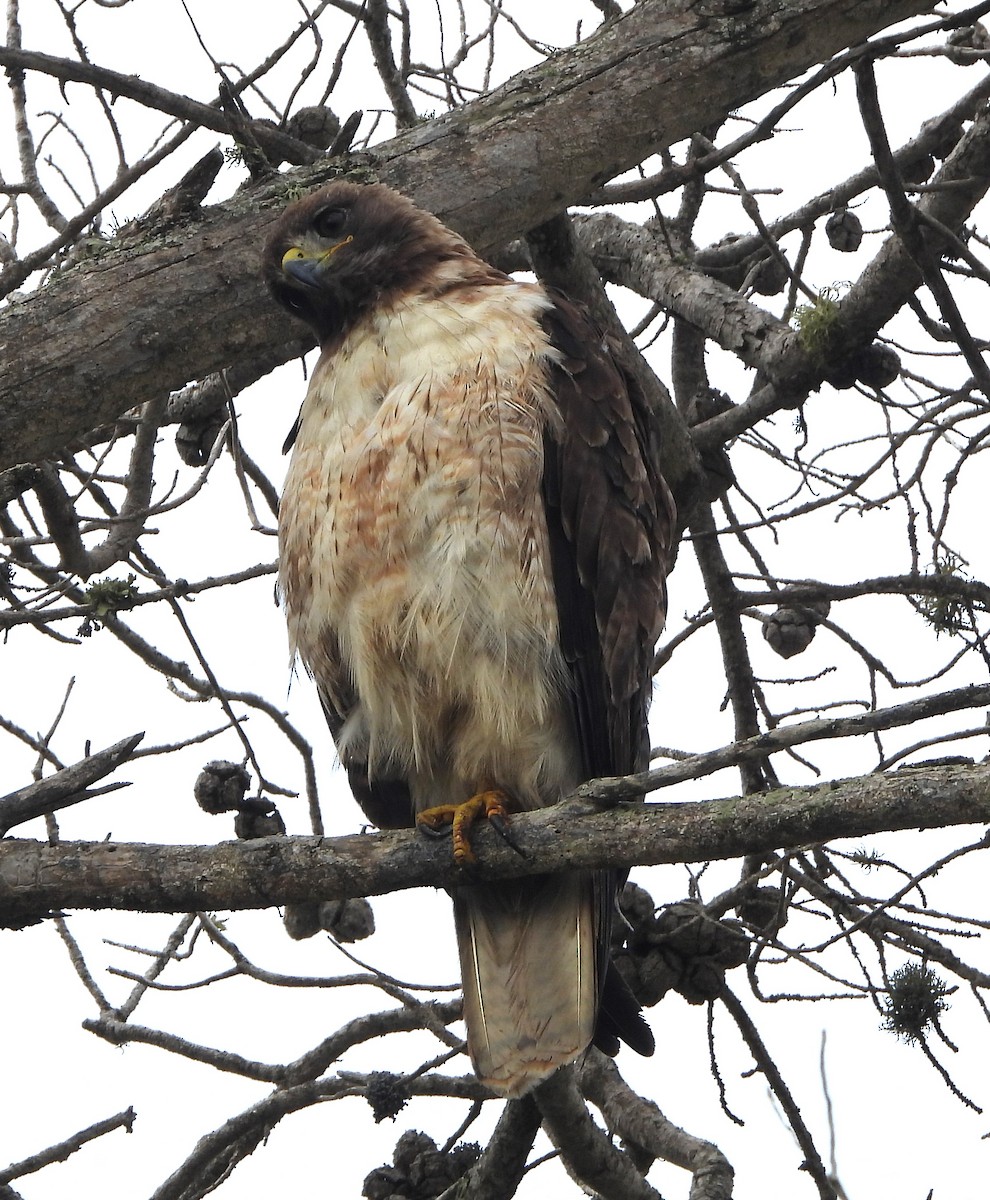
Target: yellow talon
(490, 804)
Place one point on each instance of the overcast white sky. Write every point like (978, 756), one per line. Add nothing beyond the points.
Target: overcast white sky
(899, 1132)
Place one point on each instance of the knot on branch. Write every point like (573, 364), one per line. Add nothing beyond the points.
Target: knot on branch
(419, 1170)
(180, 202)
(680, 948)
(791, 627)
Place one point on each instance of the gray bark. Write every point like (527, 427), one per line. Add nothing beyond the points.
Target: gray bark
(174, 303)
(36, 879)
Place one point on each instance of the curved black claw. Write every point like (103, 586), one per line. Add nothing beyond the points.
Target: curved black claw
(504, 831)
(433, 831)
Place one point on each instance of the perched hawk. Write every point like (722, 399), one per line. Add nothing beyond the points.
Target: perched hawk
(472, 543)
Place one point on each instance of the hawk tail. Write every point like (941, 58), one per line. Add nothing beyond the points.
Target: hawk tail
(529, 951)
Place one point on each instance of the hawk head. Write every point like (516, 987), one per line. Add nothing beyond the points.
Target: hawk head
(349, 247)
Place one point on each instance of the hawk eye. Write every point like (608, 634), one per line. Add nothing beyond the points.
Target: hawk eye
(330, 222)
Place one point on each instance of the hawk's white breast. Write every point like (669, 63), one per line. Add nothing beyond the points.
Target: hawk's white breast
(414, 560)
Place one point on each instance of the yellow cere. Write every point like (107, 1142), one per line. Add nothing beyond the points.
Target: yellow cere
(292, 255)
(297, 252)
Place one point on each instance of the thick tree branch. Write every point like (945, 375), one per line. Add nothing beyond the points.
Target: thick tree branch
(36, 878)
(635, 257)
(132, 325)
(639, 1121)
(497, 1174)
(588, 1154)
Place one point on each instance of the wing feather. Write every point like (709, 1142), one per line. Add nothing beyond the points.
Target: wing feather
(610, 520)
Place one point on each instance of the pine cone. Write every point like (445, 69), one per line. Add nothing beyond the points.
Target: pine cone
(844, 231)
(791, 628)
(220, 786)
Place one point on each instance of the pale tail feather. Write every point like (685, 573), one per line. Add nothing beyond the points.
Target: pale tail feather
(528, 962)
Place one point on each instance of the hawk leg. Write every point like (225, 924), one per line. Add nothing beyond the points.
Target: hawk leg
(490, 804)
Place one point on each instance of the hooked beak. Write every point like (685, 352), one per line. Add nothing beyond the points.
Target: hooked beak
(305, 266)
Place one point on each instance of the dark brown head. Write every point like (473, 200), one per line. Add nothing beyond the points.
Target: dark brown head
(348, 247)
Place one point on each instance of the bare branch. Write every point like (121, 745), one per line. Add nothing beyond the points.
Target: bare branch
(278, 143)
(652, 59)
(68, 786)
(63, 1150)
(589, 1155)
(640, 1122)
(34, 878)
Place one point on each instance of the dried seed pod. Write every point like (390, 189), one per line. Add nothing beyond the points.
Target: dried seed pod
(791, 628)
(878, 366)
(699, 949)
(762, 909)
(771, 277)
(462, 1157)
(680, 948)
(220, 786)
(348, 920)
(647, 975)
(301, 921)
(315, 125)
(844, 230)
(842, 373)
(964, 46)
(419, 1170)
(637, 907)
(194, 442)
(199, 410)
(718, 476)
(919, 170)
(411, 1146)
(387, 1094)
(257, 819)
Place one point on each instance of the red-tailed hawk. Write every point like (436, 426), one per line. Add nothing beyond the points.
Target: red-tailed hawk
(472, 543)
